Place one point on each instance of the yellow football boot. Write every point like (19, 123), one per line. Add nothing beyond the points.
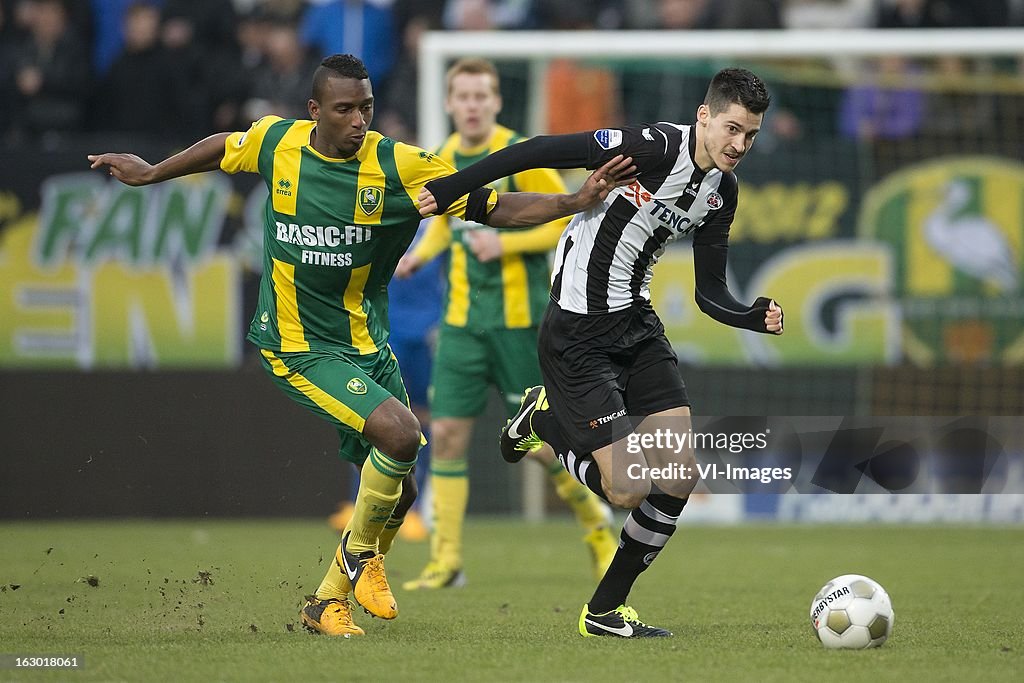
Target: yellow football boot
(369, 584)
(330, 617)
(436, 575)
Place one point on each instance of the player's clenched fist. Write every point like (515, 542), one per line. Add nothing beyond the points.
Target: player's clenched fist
(773, 318)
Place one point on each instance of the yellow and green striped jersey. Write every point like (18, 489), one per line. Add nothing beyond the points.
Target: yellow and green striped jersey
(509, 292)
(334, 230)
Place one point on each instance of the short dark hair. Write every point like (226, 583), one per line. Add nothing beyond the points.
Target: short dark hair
(337, 66)
(737, 86)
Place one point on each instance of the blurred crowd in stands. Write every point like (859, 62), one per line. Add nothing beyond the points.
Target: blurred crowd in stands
(175, 70)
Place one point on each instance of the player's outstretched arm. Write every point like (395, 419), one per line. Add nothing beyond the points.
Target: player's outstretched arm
(527, 209)
(544, 151)
(130, 169)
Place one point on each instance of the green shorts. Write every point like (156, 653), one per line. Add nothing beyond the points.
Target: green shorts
(469, 362)
(339, 388)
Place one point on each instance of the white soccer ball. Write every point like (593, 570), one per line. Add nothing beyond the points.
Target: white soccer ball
(852, 612)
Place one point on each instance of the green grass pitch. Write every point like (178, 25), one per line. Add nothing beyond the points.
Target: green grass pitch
(218, 601)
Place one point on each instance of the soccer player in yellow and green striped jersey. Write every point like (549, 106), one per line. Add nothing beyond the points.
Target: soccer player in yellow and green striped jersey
(497, 291)
(342, 209)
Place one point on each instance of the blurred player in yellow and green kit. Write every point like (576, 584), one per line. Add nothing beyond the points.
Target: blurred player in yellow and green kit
(498, 284)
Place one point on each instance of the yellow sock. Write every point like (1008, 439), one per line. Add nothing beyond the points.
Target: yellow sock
(388, 533)
(587, 507)
(380, 487)
(449, 482)
(335, 583)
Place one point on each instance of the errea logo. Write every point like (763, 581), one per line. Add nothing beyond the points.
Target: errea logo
(284, 187)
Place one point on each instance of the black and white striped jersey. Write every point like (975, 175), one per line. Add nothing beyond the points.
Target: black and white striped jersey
(606, 256)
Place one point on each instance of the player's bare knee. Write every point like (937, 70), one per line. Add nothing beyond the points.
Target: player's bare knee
(627, 495)
(444, 439)
(407, 439)
(625, 501)
(394, 430)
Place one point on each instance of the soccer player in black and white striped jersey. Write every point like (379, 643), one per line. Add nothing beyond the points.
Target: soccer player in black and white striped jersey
(606, 362)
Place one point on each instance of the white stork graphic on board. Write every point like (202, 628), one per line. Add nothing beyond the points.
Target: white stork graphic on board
(970, 243)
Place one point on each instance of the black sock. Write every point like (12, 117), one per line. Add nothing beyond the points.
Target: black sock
(645, 533)
(545, 426)
(587, 473)
(582, 468)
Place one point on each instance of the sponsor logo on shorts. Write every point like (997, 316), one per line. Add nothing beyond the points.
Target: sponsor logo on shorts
(594, 424)
(356, 386)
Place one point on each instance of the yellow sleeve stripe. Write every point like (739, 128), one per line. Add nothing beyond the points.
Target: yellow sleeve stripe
(543, 237)
(537, 240)
(501, 138)
(242, 150)
(515, 291)
(321, 398)
(293, 337)
(284, 187)
(417, 167)
(447, 150)
(458, 288)
(353, 302)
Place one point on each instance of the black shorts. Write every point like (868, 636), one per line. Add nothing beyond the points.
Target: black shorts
(603, 373)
